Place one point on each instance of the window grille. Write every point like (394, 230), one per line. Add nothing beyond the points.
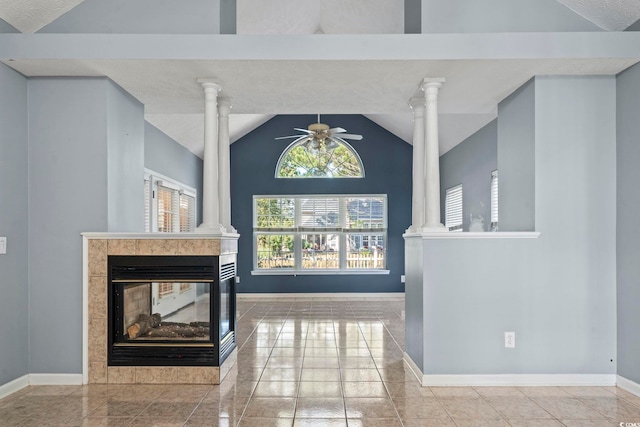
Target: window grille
(494, 200)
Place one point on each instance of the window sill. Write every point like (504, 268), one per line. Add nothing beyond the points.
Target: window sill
(276, 272)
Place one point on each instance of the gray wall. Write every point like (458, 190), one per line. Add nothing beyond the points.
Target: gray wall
(387, 163)
(556, 292)
(140, 17)
(67, 196)
(5, 27)
(125, 159)
(516, 160)
(165, 156)
(14, 284)
(628, 232)
(500, 16)
(470, 163)
(228, 17)
(86, 163)
(412, 16)
(634, 27)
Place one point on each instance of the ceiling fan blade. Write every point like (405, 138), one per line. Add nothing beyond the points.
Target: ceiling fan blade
(350, 136)
(303, 130)
(290, 136)
(336, 130)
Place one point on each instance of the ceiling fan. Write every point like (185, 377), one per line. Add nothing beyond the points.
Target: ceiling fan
(319, 137)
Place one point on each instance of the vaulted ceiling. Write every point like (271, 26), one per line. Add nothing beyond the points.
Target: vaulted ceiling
(378, 88)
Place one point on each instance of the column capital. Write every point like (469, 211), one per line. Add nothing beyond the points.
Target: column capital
(417, 104)
(432, 82)
(224, 105)
(210, 83)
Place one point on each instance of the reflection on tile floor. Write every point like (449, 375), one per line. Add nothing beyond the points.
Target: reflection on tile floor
(319, 362)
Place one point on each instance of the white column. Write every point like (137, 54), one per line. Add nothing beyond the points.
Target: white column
(430, 86)
(210, 196)
(224, 167)
(417, 200)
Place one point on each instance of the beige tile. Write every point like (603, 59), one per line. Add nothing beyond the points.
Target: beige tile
(97, 297)
(184, 393)
(468, 408)
(198, 247)
(320, 389)
(535, 423)
(97, 345)
(280, 374)
(480, 423)
(602, 422)
(176, 410)
(514, 408)
(567, 408)
(454, 392)
(320, 422)
(544, 391)
(499, 391)
(155, 375)
(157, 247)
(370, 375)
(408, 389)
(276, 389)
(369, 408)
(420, 407)
(93, 421)
(326, 407)
(589, 391)
(122, 375)
(121, 247)
(364, 389)
(265, 422)
(270, 408)
(158, 422)
(197, 375)
(97, 372)
(97, 257)
(320, 375)
(613, 407)
(416, 422)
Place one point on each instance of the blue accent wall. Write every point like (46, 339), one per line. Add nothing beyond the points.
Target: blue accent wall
(387, 163)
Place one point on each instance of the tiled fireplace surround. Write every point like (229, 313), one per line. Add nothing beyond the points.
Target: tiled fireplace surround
(97, 246)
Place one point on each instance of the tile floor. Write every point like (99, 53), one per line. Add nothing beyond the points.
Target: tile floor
(319, 362)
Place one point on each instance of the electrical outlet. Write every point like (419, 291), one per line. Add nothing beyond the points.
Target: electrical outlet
(237, 279)
(3, 245)
(402, 279)
(510, 340)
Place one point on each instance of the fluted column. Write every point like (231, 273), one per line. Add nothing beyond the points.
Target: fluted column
(224, 166)
(417, 199)
(210, 196)
(431, 86)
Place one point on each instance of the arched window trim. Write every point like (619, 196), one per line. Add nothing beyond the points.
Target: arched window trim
(300, 141)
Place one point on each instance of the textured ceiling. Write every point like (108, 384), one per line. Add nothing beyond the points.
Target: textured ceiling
(611, 15)
(320, 17)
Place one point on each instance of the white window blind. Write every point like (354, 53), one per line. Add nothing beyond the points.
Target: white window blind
(453, 208)
(147, 205)
(494, 199)
(169, 206)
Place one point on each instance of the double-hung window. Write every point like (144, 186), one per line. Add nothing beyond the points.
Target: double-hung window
(453, 208)
(169, 206)
(320, 234)
(494, 200)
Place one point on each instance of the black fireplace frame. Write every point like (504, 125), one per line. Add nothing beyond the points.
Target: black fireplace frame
(216, 270)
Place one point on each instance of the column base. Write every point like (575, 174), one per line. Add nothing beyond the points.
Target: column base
(210, 228)
(434, 228)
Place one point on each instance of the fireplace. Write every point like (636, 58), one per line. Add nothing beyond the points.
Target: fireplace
(170, 310)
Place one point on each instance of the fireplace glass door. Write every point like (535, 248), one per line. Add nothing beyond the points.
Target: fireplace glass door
(166, 311)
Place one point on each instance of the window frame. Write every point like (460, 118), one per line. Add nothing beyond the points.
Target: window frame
(341, 231)
(151, 200)
(495, 200)
(299, 142)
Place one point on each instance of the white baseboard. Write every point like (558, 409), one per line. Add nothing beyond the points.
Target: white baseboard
(520, 380)
(333, 295)
(628, 385)
(13, 386)
(55, 379)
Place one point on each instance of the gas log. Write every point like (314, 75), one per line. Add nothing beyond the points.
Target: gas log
(144, 323)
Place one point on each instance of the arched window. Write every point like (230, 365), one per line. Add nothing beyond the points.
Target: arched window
(300, 160)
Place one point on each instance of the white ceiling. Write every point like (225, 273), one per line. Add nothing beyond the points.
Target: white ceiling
(260, 89)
